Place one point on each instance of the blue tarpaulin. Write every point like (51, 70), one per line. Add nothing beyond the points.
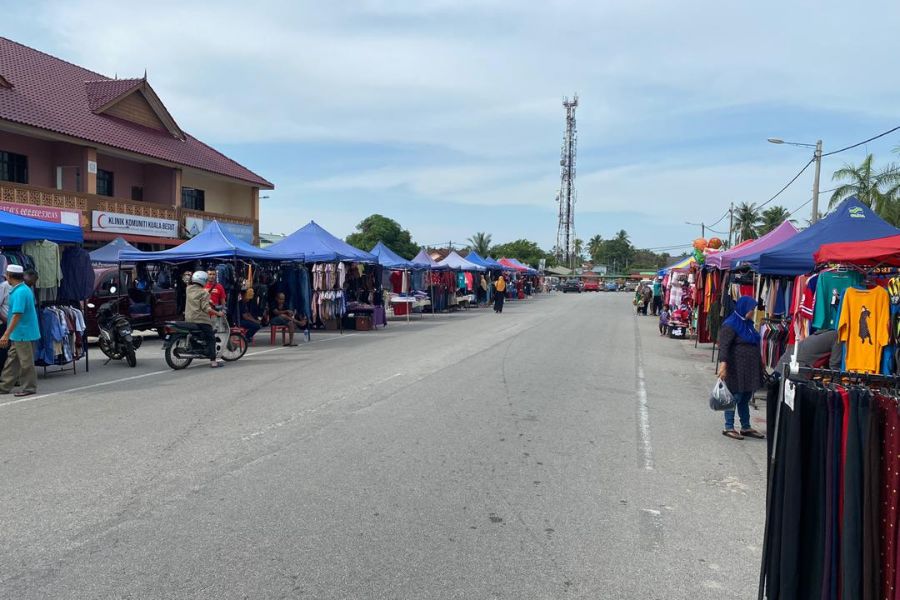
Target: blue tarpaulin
(313, 244)
(16, 230)
(109, 254)
(851, 221)
(389, 259)
(213, 242)
(474, 257)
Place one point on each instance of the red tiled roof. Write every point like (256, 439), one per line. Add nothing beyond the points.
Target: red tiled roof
(52, 94)
(103, 90)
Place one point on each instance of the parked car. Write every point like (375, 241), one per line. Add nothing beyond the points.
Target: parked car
(631, 285)
(148, 310)
(611, 286)
(591, 284)
(571, 285)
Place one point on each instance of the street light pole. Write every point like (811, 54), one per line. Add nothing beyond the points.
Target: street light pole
(815, 198)
(818, 158)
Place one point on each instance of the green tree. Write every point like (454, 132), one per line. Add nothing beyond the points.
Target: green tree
(480, 243)
(579, 249)
(771, 218)
(524, 250)
(746, 220)
(377, 228)
(876, 188)
(595, 248)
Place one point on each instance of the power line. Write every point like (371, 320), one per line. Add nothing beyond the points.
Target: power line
(788, 184)
(874, 137)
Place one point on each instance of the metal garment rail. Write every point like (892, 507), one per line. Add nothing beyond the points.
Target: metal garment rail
(786, 373)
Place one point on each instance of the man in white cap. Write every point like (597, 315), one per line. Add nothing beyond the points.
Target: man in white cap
(5, 288)
(21, 330)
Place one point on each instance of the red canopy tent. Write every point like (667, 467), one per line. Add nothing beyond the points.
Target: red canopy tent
(880, 251)
(508, 263)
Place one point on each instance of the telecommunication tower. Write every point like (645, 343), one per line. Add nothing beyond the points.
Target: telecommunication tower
(565, 233)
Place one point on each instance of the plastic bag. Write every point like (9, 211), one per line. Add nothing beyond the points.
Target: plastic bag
(721, 398)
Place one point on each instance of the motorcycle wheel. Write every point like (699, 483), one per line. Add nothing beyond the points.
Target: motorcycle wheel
(176, 362)
(130, 357)
(235, 348)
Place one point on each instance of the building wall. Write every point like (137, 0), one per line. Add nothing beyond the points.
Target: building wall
(71, 158)
(221, 196)
(160, 184)
(41, 170)
(126, 174)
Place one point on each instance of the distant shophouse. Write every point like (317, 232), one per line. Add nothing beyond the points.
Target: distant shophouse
(81, 148)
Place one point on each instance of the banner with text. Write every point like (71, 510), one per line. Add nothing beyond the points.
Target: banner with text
(195, 225)
(44, 213)
(108, 222)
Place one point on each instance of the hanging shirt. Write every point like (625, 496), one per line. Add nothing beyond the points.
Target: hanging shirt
(829, 289)
(46, 262)
(864, 328)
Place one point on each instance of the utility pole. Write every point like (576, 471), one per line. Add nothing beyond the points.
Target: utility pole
(815, 198)
(730, 223)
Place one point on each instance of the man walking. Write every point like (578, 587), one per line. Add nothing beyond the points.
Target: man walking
(21, 331)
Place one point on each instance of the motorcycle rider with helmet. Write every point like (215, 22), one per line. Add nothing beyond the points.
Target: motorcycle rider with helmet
(198, 310)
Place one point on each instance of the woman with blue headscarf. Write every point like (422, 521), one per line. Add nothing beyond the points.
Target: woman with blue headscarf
(741, 365)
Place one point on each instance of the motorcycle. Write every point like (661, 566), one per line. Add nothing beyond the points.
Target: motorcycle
(184, 342)
(117, 340)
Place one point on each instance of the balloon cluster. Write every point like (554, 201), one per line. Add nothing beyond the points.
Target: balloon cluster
(700, 245)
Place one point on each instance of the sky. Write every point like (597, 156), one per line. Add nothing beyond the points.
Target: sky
(447, 115)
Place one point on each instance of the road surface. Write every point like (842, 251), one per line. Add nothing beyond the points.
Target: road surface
(559, 450)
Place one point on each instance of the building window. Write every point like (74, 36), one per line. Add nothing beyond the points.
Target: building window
(13, 167)
(137, 193)
(104, 183)
(193, 199)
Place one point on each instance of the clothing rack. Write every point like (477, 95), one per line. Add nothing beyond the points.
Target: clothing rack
(64, 367)
(786, 373)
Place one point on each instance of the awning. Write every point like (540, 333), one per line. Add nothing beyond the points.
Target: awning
(880, 251)
(213, 242)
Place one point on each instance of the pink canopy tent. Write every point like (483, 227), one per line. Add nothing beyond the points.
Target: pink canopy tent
(725, 260)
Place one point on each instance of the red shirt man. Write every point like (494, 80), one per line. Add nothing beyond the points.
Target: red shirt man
(216, 291)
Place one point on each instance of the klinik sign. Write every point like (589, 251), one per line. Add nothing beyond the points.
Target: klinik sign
(108, 222)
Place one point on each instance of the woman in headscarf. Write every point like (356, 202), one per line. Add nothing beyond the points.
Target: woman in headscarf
(741, 365)
(499, 293)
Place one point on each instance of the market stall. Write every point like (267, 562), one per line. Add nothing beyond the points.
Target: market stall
(466, 282)
(346, 281)
(396, 280)
(64, 281)
(213, 245)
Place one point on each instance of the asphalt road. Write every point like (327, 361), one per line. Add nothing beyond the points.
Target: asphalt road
(559, 450)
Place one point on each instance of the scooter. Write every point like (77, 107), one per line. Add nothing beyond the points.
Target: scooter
(117, 340)
(184, 342)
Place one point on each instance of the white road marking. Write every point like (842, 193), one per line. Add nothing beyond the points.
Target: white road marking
(643, 410)
(141, 376)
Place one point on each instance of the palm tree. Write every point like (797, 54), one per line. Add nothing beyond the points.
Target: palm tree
(771, 218)
(746, 220)
(481, 243)
(579, 247)
(877, 189)
(595, 248)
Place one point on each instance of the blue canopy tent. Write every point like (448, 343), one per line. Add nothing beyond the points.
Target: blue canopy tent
(474, 257)
(851, 221)
(312, 244)
(213, 242)
(16, 230)
(389, 259)
(109, 254)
